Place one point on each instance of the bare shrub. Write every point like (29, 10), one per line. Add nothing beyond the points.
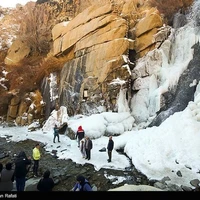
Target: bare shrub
(21, 78)
(49, 65)
(170, 7)
(35, 27)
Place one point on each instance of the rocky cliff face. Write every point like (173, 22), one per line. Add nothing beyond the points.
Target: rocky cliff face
(102, 40)
(96, 44)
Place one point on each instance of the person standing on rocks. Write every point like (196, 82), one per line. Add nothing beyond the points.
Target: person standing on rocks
(7, 178)
(56, 133)
(110, 147)
(36, 159)
(22, 164)
(80, 134)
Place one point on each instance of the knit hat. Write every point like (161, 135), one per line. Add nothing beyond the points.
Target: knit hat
(80, 128)
(80, 178)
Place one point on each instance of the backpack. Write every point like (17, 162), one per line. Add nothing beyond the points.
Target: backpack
(94, 187)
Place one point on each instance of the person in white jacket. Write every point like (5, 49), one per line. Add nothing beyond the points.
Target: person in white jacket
(82, 148)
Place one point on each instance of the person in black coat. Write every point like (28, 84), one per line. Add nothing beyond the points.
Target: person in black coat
(80, 134)
(110, 147)
(88, 147)
(46, 183)
(22, 165)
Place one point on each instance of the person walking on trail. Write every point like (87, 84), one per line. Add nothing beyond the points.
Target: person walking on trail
(82, 184)
(46, 183)
(56, 133)
(80, 134)
(110, 147)
(22, 165)
(36, 159)
(88, 147)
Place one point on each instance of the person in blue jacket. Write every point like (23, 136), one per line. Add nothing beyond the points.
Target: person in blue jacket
(56, 133)
(82, 184)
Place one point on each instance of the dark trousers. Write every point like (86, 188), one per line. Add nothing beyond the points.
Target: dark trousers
(109, 155)
(20, 183)
(88, 153)
(35, 167)
(56, 135)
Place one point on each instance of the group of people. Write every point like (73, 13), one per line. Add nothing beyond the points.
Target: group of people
(85, 144)
(22, 165)
(18, 170)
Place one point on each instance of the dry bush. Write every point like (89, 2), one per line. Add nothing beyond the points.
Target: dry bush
(170, 7)
(51, 64)
(26, 78)
(35, 27)
(31, 60)
(21, 78)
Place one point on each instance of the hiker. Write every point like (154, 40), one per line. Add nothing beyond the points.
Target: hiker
(80, 134)
(36, 159)
(46, 183)
(56, 133)
(110, 147)
(22, 165)
(88, 147)
(82, 184)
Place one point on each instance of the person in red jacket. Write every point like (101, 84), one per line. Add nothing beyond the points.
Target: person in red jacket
(80, 134)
